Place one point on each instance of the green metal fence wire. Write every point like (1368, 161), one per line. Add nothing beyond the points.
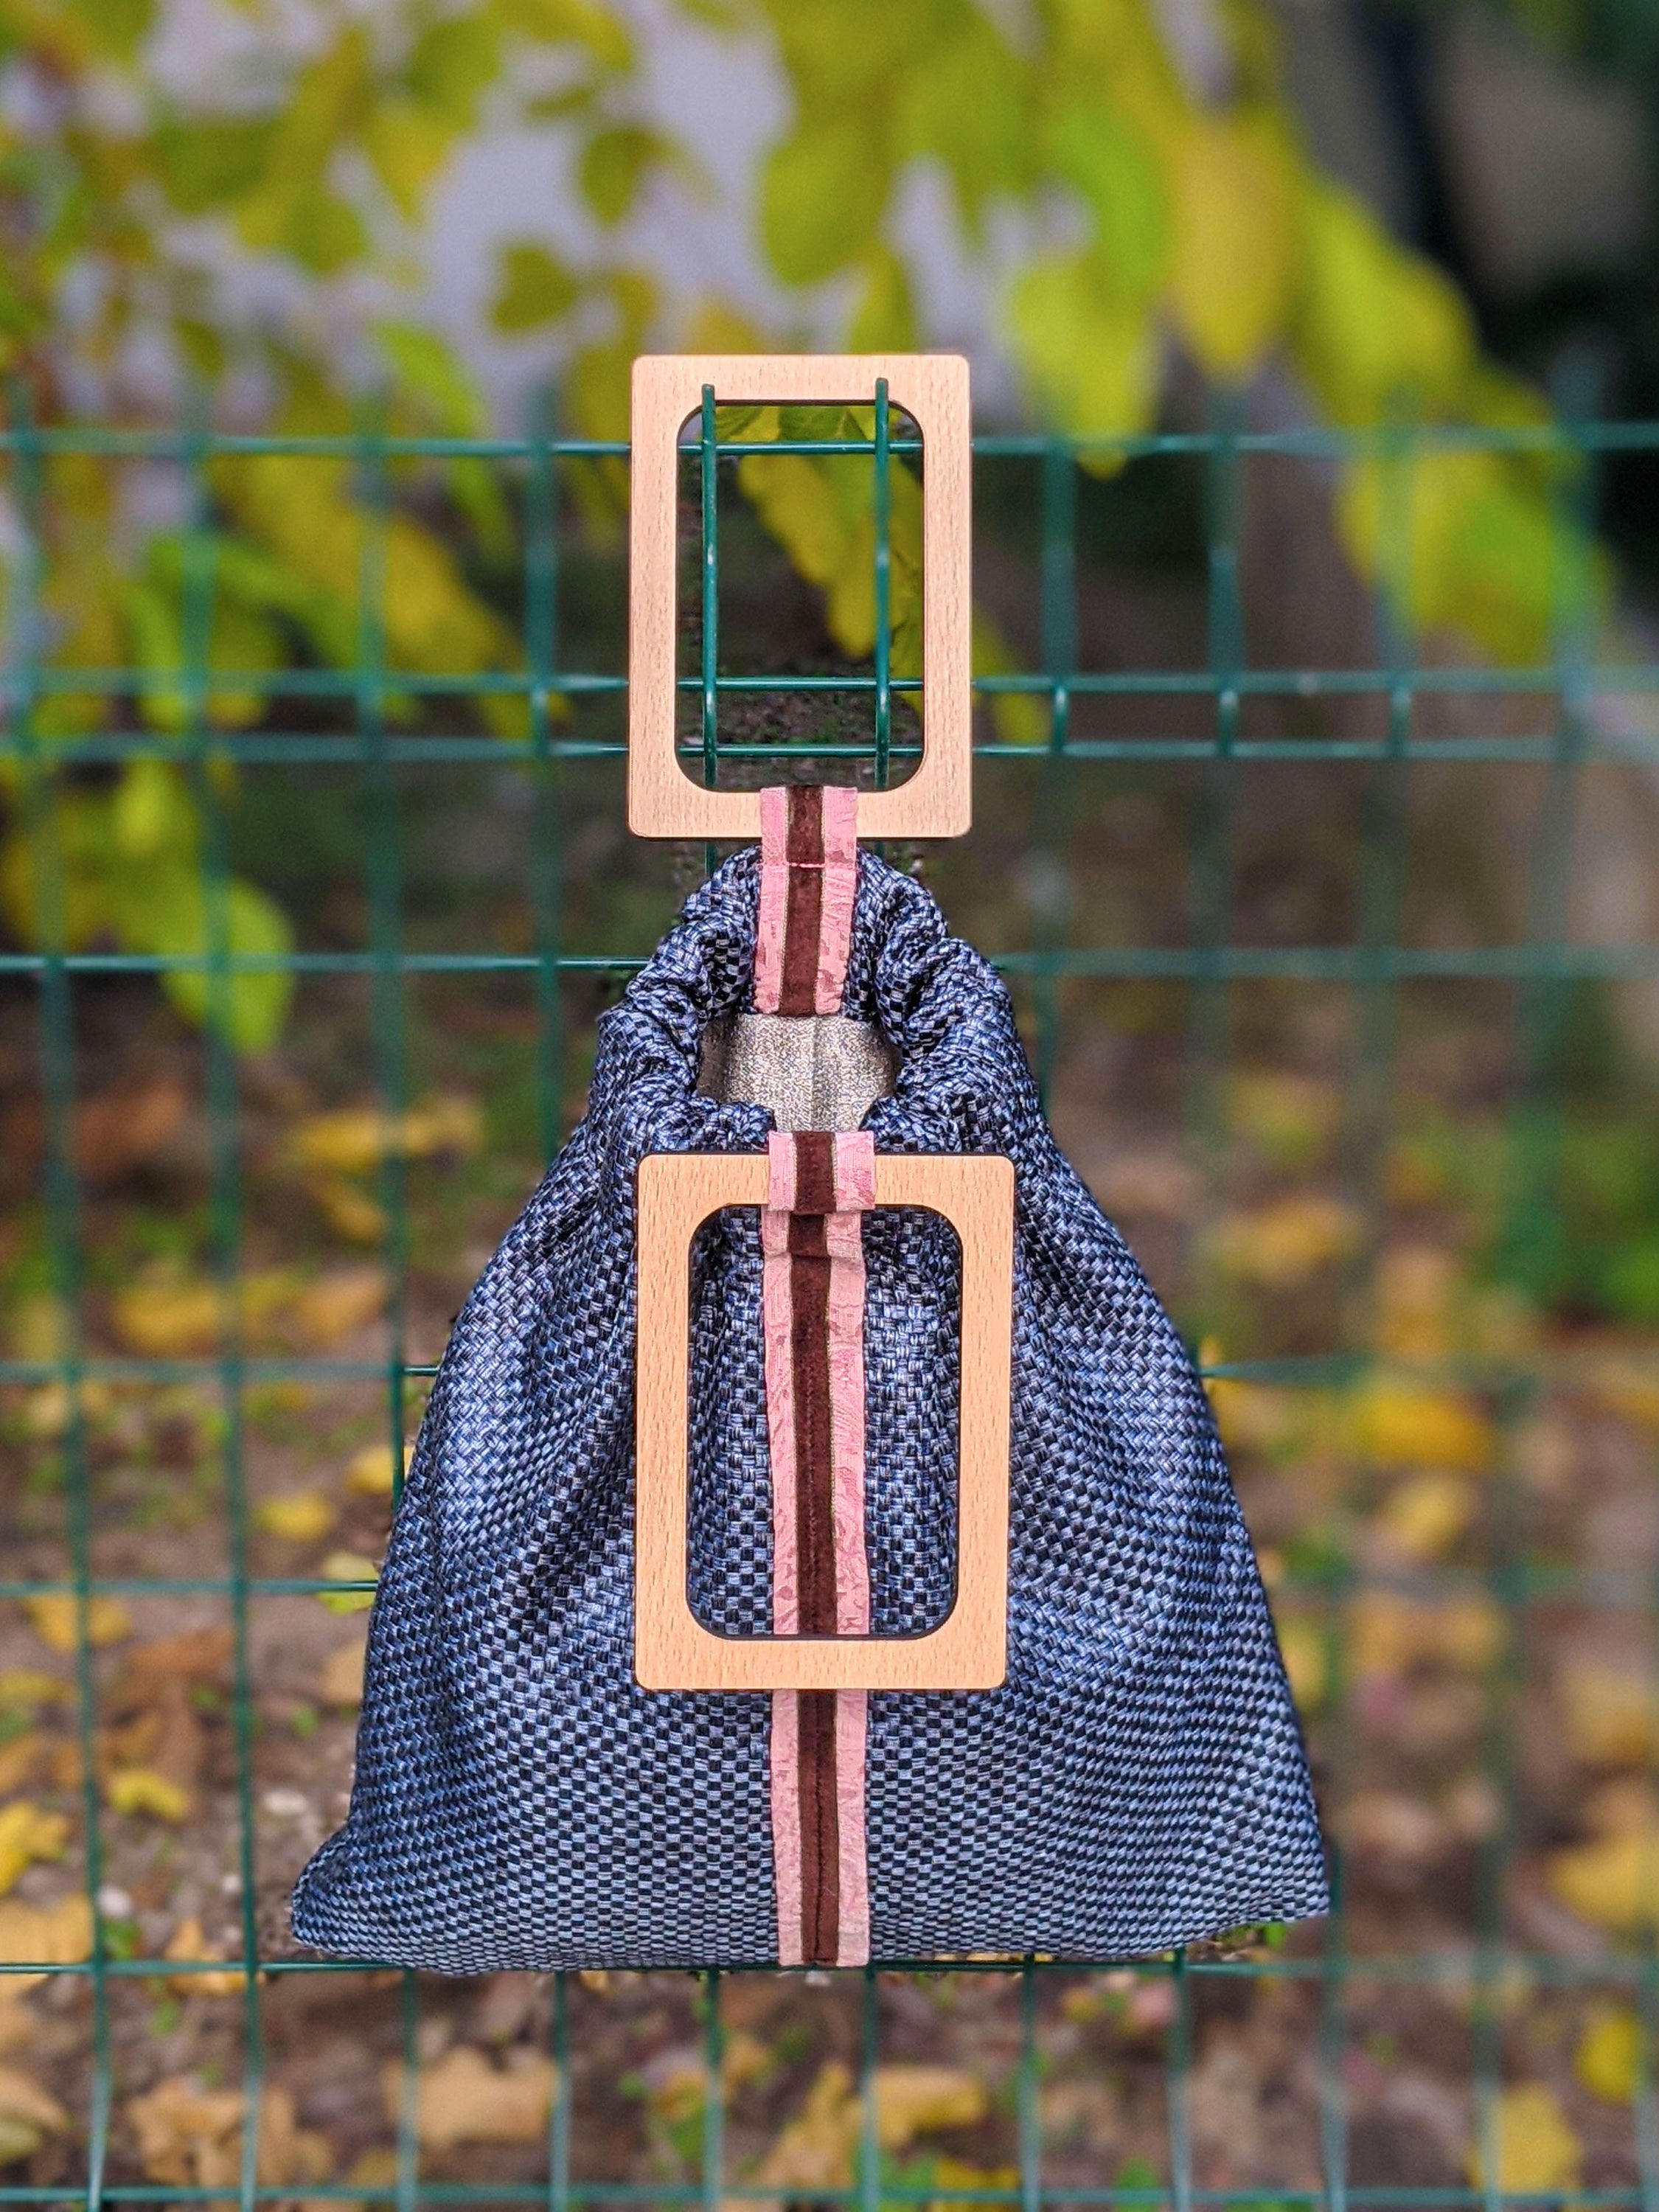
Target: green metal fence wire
(1376, 963)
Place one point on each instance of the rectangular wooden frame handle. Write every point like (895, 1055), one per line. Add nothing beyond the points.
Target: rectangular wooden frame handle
(673, 1651)
(937, 801)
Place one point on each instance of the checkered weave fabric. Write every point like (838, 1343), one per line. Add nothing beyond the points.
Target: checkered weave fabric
(520, 1802)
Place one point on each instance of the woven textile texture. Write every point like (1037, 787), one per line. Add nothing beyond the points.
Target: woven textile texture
(1140, 1780)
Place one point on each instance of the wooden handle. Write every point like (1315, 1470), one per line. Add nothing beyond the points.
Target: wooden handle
(937, 801)
(673, 1651)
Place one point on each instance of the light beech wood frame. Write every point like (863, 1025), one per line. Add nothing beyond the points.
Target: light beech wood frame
(969, 1651)
(937, 801)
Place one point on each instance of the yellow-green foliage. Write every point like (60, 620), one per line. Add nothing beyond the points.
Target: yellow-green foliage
(1196, 220)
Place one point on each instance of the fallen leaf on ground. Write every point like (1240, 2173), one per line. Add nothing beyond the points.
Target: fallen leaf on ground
(162, 1735)
(678, 2079)
(1613, 1880)
(1629, 1389)
(1400, 1424)
(154, 1725)
(348, 1567)
(1279, 1246)
(814, 2150)
(1249, 1416)
(1143, 1183)
(1290, 1118)
(817, 2150)
(918, 2100)
(1416, 1287)
(19, 1759)
(354, 1140)
(168, 1316)
(28, 2114)
(48, 1935)
(195, 1655)
(55, 1620)
(1422, 1518)
(338, 1304)
(302, 1516)
(376, 2169)
(40, 1325)
(351, 1140)
(1304, 1645)
(1473, 1809)
(288, 2152)
(463, 2098)
(1393, 1825)
(369, 1472)
(189, 1943)
(341, 1682)
(189, 2134)
(1609, 2054)
(349, 1210)
(745, 2059)
(141, 1790)
(1388, 1635)
(445, 1123)
(168, 1320)
(18, 2025)
(1611, 1714)
(28, 1687)
(1537, 2149)
(28, 1834)
(116, 1131)
(192, 2136)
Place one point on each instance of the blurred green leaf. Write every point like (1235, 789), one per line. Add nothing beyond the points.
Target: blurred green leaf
(885, 320)
(455, 60)
(408, 144)
(969, 105)
(614, 164)
(171, 915)
(823, 192)
(429, 368)
(208, 162)
(117, 25)
(1376, 328)
(534, 287)
(580, 22)
(1097, 151)
(1237, 241)
(1093, 358)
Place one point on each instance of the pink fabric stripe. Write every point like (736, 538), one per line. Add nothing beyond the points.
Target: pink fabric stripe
(841, 825)
(776, 1320)
(855, 1170)
(773, 898)
(780, 1171)
(840, 878)
(786, 1823)
(776, 1323)
(844, 1235)
(855, 1193)
(852, 1727)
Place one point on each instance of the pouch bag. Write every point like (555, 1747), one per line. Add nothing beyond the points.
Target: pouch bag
(520, 1802)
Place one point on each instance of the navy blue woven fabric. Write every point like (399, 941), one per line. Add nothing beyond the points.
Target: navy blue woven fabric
(519, 1801)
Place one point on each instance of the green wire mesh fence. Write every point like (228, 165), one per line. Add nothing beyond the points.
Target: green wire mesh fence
(1146, 780)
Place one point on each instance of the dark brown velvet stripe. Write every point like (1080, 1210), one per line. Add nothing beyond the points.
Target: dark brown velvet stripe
(809, 1267)
(804, 838)
(815, 1171)
(804, 903)
(814, 1502)
(820, 1831)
